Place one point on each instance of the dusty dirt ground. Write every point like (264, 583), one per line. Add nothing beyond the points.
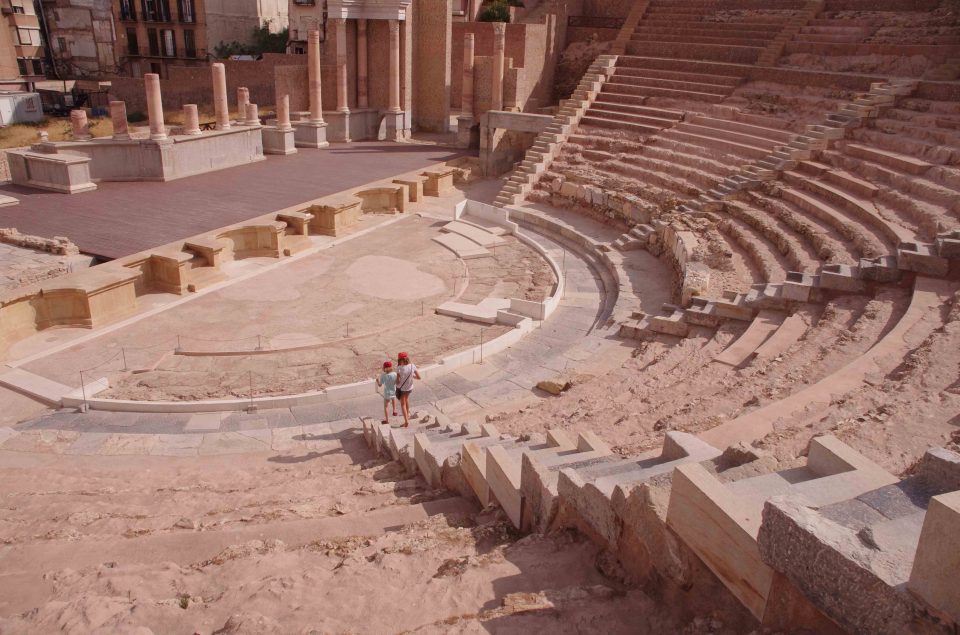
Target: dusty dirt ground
(333, 541)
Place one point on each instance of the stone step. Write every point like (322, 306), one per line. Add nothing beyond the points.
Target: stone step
(709, 137)
(680, 50)
(618, 121)
(694, 39)
(432, 451)
(743, 348)
(702, 78)
(655, 115)
(752, 131)
(650, 91)
(631, 84)
(894, 160)
(598, 491)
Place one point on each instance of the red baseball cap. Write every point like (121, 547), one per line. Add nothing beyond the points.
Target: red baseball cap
(388, 364)
(403, 356)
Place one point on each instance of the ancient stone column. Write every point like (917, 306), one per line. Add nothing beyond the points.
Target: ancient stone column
(466, 106)
(340, 25)
(313, 70)
(191, 119)
(220, 105)
(394, 70)
(499, 44)
(118, 116)
(363, 100)
(252, 114)
(283, 113)
(81, 127)
(158, 130)
(243, 98)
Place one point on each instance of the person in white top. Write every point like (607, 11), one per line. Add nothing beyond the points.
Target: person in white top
(406, 373)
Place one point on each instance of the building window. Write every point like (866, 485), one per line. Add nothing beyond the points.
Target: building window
(169, 43)
(22, 65)
(153, 42)
(186, 11)
(189, 43)
(133, 45)
(17, 8)
(37, 66)
(298, 50)
(128, 10)
(28, 37)
(62, 44)
(156, 10)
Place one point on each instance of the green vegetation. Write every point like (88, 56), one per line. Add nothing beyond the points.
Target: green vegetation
(497, 10)
(263, 42)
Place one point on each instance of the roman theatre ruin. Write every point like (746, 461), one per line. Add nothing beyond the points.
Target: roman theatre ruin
(681, 279)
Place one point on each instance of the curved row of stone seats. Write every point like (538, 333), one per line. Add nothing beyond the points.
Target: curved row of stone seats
(881, 355)
(620, 299)
(637, 78)
(596, 494)
(714, 31)
(865, 561)
(716, 510)
(802, 147)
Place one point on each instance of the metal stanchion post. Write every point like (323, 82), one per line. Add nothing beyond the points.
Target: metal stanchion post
(178, 349)
(259, 343)
(124, 353)
(83, 391)
(251, 407)
(481, 346)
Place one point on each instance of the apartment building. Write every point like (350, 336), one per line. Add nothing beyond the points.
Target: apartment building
(81, 37)
(21, 46)
(153, 35)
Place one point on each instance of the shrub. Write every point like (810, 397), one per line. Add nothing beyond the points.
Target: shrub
(136, 117)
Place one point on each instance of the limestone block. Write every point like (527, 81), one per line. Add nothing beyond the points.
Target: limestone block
(797, 286)
(934, 574)
(334, 215)
(414, 188)
(569, 189)
(277, 141)
(66, 173)
(439, 182)
(921, 258)
(309, 134)
(948, 244)
(841, 277)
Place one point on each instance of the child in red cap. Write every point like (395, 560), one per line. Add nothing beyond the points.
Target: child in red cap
(406, 373)
(388, 381)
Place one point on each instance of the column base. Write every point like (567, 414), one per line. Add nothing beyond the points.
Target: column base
(307, 134)
(394, 123)
(339, 123)
(465, 126)
(276, 141)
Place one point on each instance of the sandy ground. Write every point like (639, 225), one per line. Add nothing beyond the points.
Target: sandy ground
(331, 542)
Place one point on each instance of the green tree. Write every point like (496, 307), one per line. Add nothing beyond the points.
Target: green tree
(263, 41)
(498, 10)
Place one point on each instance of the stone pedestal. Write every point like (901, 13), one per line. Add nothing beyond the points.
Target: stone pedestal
(465, 125)
(278, 141)
(309, 134)
(118, 115)
(338, 126)
(394, 122)
(191, 120)
(80, 125)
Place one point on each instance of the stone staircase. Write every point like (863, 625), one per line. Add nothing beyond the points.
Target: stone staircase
(801, 147)
(688, 499)
(547, 144)
(637, 78)
(794, 26)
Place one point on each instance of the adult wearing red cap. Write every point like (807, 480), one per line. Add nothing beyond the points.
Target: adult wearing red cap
(406, 373)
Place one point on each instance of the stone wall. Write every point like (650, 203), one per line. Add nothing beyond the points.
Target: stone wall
(432, 49)
(530, 48)
(193, 85)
